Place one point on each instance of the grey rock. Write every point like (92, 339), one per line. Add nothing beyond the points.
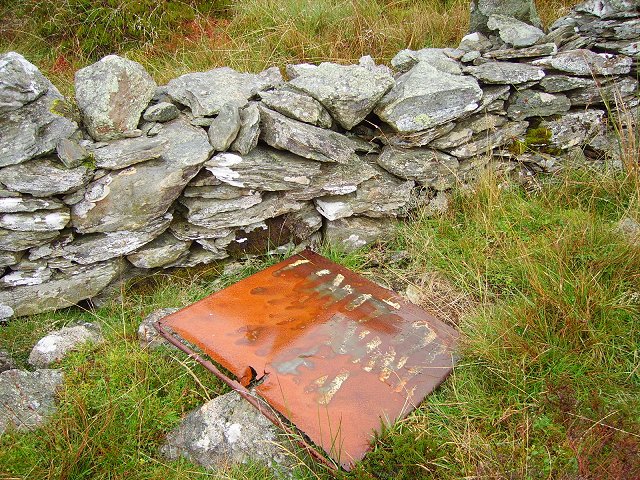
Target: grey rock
(622, 89)
(225, 431)
(63, 290)
(575, 128)
(298, 106)
(607, 8)
(337, 179)
(485, 143)
(58, 344)
(148, 336)
(348, 92)
(161, 112)
(205, 93)
(204, 178)
(98, 247)
(20, 82)
(33, 130)
(507, 73)
(162, 251)
(426, 97)
(29, 277)
(303, 139)
(481, 10)
(198, 256)
(470, 56)
(272, 205)
(417, 139)
(112, 94)
(9, 258)
(28, 204)
(129, 151)
(475, 41)
(514, 32)
(466, 129)
(13, 241)
(294, 71)
(249, 132)
(369, 63)
(44, 177)
(6, 362)
(384, 195)
(41, 221)
(562, 83)
(586, 63)
(405, 60)
(5, 312)
(186, 231)
(533, 103)
(630, 229)
(264, 168)
(220, 192)
(27, 399)
(71, 153)
(429, 167)
(529, 52)
(109, 206)
(200, 209)
(224, 128)
(352, 233)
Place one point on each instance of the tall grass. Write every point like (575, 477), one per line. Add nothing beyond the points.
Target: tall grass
(170, 38)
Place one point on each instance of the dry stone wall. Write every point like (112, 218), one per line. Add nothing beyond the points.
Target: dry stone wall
(222, 164)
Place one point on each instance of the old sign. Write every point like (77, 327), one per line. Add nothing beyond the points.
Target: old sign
(332, 352)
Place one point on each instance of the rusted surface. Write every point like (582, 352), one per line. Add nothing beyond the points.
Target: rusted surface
(339, 354)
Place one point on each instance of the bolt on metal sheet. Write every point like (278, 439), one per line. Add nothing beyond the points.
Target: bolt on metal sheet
(334, 353)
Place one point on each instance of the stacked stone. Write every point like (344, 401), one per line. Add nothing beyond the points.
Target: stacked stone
(223, 164)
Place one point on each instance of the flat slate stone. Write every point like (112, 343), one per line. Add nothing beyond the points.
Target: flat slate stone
(426, 97)
(529, 52)
(161, 112)
(514, 32)
(64, 290)
(406, 59)
(205, 93)
(28, 204)
(533, 103)
(381, 196)
(484, 144)
(264, 168)
(298, 106)
(249, 132)
(41, 221)
(562, 83)
(44, 177)
(426, 166)
(507, 73)
(112, 94)
(586, 63)
(128, 151)
(303, 139)
(481, 10)
(13, 241)
(348, 92)
(162, 251)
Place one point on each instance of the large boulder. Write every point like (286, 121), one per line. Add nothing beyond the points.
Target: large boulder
(112, 94)
(132, 198)
(481, 10)
(426, 97)
(27, 399)
(28, 126)
(348, 92)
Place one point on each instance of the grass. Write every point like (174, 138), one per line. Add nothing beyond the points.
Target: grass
(547, 385)
(173, 38)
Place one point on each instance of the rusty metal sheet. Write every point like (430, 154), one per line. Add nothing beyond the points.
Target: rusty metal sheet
(340, 355)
